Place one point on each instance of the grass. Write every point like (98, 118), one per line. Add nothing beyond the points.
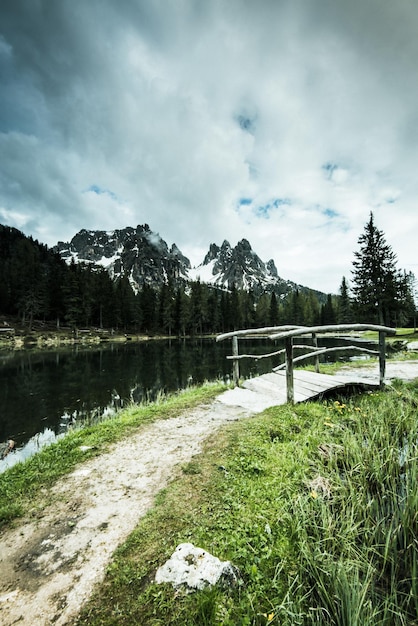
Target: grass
(25, 484)
(316, 504)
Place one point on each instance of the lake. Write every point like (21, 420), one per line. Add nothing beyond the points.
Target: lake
(45, 392)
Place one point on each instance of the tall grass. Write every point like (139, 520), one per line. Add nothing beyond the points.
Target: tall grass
(358, 548)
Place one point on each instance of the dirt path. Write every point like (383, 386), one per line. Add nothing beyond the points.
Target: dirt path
(50, 563)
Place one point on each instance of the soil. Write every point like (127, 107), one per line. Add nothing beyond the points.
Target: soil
(51, 561)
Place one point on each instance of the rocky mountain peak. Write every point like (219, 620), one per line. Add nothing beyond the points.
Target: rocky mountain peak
(212, 254)
(145, 258)
(272, 267)
(241, 267)
(138, 253)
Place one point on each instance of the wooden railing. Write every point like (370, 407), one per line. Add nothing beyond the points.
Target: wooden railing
(289, 333)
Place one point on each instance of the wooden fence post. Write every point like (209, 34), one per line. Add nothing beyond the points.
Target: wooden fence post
(315, 343)
(235, 369)
(289, 370)
(382, 358)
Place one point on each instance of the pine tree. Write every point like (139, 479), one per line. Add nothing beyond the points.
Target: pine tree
(377, 289)
(166, 308)
(293, 312)
(198, 307)
(148, 304)
(311, 310)
(181, 312)
(247, 307)
(263, 310)
(274, 311)
(328, 315)
(408, 314)
(237, 318)
(344, 314)
(214, 311)
(72, 296)
(226, 312)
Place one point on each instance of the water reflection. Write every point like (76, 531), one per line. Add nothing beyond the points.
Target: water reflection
(36, 443)
(49, 391)
(43, 393)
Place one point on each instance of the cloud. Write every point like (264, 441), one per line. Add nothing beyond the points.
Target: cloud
(283, 122)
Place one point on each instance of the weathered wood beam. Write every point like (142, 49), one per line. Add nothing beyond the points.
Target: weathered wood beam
(235, 371)
(270, 354)
(315, 343)
(256, 357)
(321, 351)
(254, 331)
(297, 332)
(382, 358)
(290, 391)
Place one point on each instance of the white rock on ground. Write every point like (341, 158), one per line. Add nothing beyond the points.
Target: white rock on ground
(195, 568)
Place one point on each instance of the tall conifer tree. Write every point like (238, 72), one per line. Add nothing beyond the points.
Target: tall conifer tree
(377, 283)
(345, 314)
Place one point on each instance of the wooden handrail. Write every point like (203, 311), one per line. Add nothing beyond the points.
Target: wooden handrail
(253, 332)
(288, 333)
(333, 328)
(321, 351)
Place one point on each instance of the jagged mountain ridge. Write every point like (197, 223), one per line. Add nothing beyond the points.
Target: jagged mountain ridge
(240, 266)
(145, 258)
(138, 253)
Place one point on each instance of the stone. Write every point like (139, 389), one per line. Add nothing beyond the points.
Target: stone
(193, 568)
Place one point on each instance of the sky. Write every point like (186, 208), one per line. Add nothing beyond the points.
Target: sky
(285, 122)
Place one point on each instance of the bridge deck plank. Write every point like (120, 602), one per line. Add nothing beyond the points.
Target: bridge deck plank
(270, 389)
(307, 384)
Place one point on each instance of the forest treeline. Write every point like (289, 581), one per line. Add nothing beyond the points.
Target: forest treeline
(35, 283)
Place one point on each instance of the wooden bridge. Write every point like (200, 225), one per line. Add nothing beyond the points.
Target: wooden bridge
(285, 384)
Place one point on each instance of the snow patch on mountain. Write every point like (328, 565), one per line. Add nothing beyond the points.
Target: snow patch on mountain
(145, 258)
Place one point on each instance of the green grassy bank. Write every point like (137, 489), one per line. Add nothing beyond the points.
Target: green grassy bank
(24, 487)
(316, 504)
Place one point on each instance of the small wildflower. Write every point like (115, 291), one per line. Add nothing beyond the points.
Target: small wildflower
(270, 617)
(314, 494)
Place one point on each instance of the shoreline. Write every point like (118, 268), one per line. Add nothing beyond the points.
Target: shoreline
(84, 338)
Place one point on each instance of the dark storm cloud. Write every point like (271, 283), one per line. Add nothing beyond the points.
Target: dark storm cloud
(178, 109)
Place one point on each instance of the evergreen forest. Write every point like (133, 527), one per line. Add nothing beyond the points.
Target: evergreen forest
(36, 284)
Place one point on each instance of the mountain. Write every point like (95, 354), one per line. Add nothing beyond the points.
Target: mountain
(145, 258)
(240, 266)
(138, 253)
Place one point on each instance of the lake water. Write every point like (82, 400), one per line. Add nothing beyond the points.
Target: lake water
(44, 392)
